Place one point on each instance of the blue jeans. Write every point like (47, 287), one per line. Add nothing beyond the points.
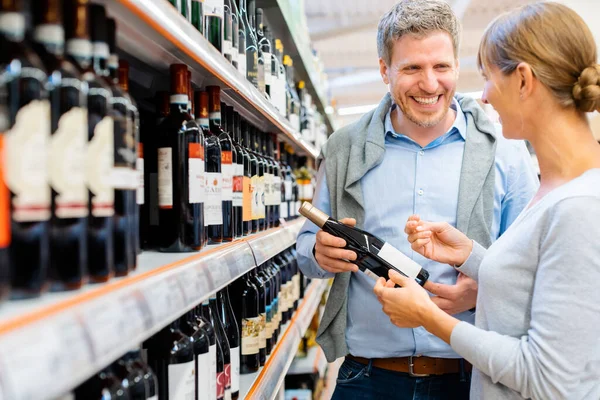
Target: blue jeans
(359, 381)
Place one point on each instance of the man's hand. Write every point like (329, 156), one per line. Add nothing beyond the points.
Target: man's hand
(330, 252)
(457, 298)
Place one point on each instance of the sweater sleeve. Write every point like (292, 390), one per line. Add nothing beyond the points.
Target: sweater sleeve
(561, 346)
(471, 266)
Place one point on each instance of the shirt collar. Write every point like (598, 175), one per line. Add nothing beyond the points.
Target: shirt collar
(459, 125)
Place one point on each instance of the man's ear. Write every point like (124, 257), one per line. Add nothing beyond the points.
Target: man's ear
(383, 70)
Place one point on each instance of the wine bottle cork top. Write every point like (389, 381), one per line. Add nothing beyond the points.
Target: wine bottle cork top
(315, 215)
(214, 104)
(202, 103)
(179, 79)
(48, 12)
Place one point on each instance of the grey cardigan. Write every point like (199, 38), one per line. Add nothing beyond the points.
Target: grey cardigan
(353, 150)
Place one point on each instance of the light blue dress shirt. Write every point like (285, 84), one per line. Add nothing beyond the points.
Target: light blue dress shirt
(416, 180)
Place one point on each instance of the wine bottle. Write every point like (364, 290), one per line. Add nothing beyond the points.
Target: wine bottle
(26, 154)
(286, 304)
(249, 15)
(227, 31)
(269, 291)
(213, 23)
(131, 377)
(255, 180)
(238, 176)
(200, 181)
(226, 125)
(261, 60)
(245, 304)
(179, 160)
(204, 325)
(213, 207)
(198, 15)
(271, 144)
(134, 360)
(241, 32)
(209, 310)
(124, 151)
(201, 346)
(262, 310)
(247, 180)
(102, 385)
(68, 143)
(375, 257)
(234, 33)
(276, 272)
(269, 182)
(297, 275)
(231, 329)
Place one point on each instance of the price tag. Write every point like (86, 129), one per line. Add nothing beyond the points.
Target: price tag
(106, 323)
(164, 297)
(136, 321)
(219, 272)
(194, 283)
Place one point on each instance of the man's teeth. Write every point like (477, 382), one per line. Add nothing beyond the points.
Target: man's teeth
(427, 100)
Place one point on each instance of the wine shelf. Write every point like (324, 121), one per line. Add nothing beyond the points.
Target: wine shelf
(153, 35)
(264, 384)
(51, 344)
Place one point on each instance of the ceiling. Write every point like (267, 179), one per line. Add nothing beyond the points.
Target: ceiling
(344, 34)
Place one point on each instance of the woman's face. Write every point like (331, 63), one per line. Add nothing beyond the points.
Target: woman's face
(502, 92)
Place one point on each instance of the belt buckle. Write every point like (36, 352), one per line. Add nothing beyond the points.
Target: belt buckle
(411, 371)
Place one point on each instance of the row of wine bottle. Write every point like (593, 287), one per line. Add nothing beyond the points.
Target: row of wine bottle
(202, 354)
(80, 192)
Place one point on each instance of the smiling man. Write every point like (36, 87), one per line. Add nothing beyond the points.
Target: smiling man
(424, 150)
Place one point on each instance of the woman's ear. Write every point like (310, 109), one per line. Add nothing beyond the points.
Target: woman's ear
(526, 80)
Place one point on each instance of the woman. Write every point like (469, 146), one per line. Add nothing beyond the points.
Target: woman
(537, 332)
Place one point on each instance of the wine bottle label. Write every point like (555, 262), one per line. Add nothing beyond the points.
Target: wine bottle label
(250, 335)
(247, 199)
(125, 152)
(399, 260)
(238, 190)
(227, 394)
(66, 164)
(283, 210)
(255, 198)
(261, 196)
(26, 162)
(182, 380)
(220, 385)
(165, 178)
(227, 371)
(204, 372)
(212, 354)
(98, 168)
(307, 191)
(267, 57)
(213, 8)
(213, 208)
(268, 189)
(277, 190)
(296, 287)
(242, 63)
(153, 398)
(262, 334)
(227, 48)
(283, 297)
(227, 174)
(235, 369)
(4, 199)
(288, 190)
(196, 173)
(269, 322)
(139, 168)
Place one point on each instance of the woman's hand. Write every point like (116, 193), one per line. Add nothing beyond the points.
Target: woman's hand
(406, 306)
(438, 241)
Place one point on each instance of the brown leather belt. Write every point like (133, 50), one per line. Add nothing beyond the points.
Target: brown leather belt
(417, 366)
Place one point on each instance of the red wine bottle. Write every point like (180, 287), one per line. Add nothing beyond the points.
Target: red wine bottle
(131, 377)
(262, 313)
(205, 326)
(134, 360)
(238, 172)
(231, 329)
(245, 304)
(201, 345)
(224, 343)
(209, 311)
(375, 257)
(179, 159)
(103, 385)
(269, 292)
(67, 146)
(26, 141)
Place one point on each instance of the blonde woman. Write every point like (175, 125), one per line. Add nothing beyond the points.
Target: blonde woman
(537, 330)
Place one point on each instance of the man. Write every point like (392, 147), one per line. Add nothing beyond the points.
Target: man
(423, 150)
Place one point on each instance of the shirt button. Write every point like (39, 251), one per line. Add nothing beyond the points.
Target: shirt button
(420, 192)
(421, 153)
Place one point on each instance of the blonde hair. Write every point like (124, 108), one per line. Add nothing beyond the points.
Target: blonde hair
(555, 42)
(419, 18)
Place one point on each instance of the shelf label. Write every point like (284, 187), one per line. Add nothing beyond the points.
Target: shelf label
(194, 283)
(164, 297)
(219, 271)
(106, 322)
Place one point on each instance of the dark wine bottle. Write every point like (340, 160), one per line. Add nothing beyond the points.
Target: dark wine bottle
(103, 385)
(269, 296)
(247, 199)
(231, 329)
(235, 40)
(276, 272)
(134, 360)
(286, 289)
(204, 325)
(209, 311)
(27, 141)
(200, 185)
(261, 181)
(238, 174)
(131, 377)
(213, 206)
(375, 257)
(260, 60)
(179, 166)
(100, 150)
(241, 32)
(277, 183)
(213, 23)
(262, 311)
(201, 101)
(269, 182)
(248, 16)
(245, 305)
(255, 182)
(201, 346)
(224, 343)
(227, 31)
(67, 146)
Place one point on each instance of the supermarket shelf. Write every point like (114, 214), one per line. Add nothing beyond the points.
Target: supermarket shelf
(314, 362)
(283, 18)
(265, 383)
(51, 344)
(156, 36)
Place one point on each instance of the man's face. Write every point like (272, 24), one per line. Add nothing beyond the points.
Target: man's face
(422, 77)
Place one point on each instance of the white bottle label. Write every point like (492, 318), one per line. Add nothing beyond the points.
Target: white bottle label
(182, 381)
(399, 260)
(213, 208)
(212, 354)
(268, 186)
(296, 285)
(66, 164)
(26, 162)
(242, 64)
(196, 182)
(165, 178)
(288, 190)
(250, 335)
(227, 173)
(260, 188)
(267, 58)
(277, 187)
(235, 369)
(227, 48)
(204, 373)
(283, 210)
(238, 185)
(139, 167)
(214, 7)
(99, 166)
(262, 334)
(153, 398)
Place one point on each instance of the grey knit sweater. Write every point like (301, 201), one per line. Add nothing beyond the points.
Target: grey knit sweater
(537, 332)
